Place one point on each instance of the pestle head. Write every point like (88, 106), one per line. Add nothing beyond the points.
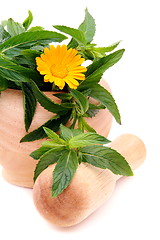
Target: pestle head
(89, 188)
(69, 207)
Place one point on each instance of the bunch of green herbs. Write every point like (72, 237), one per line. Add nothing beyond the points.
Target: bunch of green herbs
(20, 44)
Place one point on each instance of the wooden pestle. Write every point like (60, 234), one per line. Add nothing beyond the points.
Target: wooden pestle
(89, 188)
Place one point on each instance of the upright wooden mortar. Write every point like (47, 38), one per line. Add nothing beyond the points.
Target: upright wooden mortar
(89, 188)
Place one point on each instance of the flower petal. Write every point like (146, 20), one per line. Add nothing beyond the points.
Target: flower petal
(78, 76)
(72, 82)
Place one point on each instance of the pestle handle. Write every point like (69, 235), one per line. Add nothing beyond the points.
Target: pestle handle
(89, 188)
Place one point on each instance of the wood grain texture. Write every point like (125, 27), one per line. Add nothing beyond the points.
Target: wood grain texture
(18, 167)
(89, 188)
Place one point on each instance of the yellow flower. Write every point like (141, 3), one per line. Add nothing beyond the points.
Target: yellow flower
(60, 65)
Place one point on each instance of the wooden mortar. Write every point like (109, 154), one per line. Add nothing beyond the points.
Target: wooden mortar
(89, 188)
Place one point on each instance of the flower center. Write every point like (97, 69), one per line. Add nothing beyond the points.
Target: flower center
(59, 70)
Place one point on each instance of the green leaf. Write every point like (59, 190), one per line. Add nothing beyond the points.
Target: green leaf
(52, 144)
(104, 97)
(47, 159)
(30, 54)
(44, 152)
(51, 153)
(13, 52)
(27, 22)
(104, 157)
(81, 100)
(93, 106)
(88, 26)
(89, 81)
(3, 84)
(63, 96)
(78, 35)
(13, 85)
(21, 60)
(29, 104)
(39, 152)
(52, 135)
(100, 66)
(93, 110)
(64, 171)
(7, 64)
(80, 158)
(76, 132)
(15, 72)
(91, 113)
(67, 133)
(47, 103)
(4, 35)
(30, 38)
(107, 49)
(53, 124)
(39, 133)
(14, 28)
(11, 71)
(35, 29)
(80, 124)
(87, 127)
(67, 105)
(12, 76)
(86, 92)
(72, 44)
(87, 139)
(95, 55)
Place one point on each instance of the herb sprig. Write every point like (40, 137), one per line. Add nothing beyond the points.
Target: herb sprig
(69, 149)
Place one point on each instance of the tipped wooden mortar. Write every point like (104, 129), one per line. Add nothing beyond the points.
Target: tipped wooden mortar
(89, 188)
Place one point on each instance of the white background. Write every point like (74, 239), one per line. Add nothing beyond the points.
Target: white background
(133, 212)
